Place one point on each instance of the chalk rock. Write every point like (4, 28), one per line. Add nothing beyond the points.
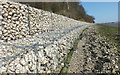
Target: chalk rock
(22, 62)
(0, 32)
(3, 70)
(1, 17)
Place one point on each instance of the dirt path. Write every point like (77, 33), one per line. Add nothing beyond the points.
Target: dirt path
(76, 65)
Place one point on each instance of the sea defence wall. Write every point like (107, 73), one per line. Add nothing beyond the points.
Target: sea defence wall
(33, 40)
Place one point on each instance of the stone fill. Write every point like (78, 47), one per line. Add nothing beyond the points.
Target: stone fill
(33, 40)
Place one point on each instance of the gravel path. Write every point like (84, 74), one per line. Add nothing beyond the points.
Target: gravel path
(77, 62)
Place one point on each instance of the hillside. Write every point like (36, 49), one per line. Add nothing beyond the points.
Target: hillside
(70, 9)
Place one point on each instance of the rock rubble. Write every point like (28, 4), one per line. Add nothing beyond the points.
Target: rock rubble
(96, 55)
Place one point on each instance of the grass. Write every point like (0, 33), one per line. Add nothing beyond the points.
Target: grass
(111, 35)
(69, 56)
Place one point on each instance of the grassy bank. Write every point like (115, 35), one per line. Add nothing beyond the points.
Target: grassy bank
(111, 35)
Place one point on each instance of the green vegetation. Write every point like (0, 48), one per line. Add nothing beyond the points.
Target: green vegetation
(70, 9)
(111, 34)
(69, 56)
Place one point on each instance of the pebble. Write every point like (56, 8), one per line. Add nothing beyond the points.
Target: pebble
(22, 62)
(3, 70)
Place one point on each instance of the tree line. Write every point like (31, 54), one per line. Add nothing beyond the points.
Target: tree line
(70, 9)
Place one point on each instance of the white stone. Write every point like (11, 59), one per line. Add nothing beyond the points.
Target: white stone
(33, 67)
(4, 23)
(6, 14)
(17, 71)
(30, 64)
(12, 68)
(48, 71)
(22, 61)
(24, 70)
(3, 70)
(17, 22)
(62, 64)
(113, 61)
(2, 12)
(0, 32)
(19, 66)
(6, 6)
(1, 17)
(10, 13)
(9, 17)
(116, 66)
(17, 60)
(1, 7)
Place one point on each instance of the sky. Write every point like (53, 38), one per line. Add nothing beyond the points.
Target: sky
(102, 11)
